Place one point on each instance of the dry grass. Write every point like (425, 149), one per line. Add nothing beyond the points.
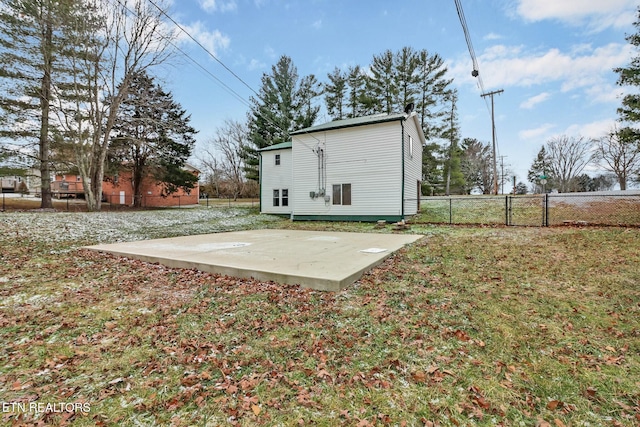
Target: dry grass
(470, 326)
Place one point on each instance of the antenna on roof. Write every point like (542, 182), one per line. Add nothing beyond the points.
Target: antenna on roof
(409, 108)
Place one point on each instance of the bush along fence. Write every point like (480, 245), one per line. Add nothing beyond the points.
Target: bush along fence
(544, 210)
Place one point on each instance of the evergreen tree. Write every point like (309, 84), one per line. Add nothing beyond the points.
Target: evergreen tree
(406, 65)
(540, 167)
(284, 104)
(154, 138)
(359, 102)
(383, 82)
(629, 112)
(521, 188)
(335, 94)
(453, 176)
(32, 41)
(433, 92)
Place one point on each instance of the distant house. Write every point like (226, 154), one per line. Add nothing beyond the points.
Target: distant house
(28, 182)
(361, 169)
(118, 190)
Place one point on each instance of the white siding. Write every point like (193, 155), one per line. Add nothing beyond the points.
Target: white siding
(367, 157)
(412, 165)
(275, 177)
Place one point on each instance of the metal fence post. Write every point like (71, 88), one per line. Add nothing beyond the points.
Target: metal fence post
(545, 211)
(506, 210)
(450, 211)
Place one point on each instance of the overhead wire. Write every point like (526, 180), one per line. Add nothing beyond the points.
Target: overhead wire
(467, 36)
(476, 68)
(163, 12)
(239, 97)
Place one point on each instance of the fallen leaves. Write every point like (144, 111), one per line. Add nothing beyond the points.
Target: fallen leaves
(467, 340)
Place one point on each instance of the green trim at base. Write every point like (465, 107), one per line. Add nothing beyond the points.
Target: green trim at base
(358, 218)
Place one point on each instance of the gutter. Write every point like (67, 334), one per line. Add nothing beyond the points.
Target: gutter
(260, 180)
(402, 178)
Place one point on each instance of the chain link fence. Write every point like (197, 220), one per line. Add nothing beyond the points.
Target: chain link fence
(542, 210)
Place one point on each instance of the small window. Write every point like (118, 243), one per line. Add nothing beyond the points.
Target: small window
(276, 197)
(337, 194)
(277, 159)
(410, 147)
(346, 194)
(285, 197)
(341, 194)
(78, 178)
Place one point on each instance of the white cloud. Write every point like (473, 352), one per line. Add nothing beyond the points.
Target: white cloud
(594, 130)
(492, 36)
(270, 52)
(256, 64)
(212, 6)
(598, 14)
(536, 133)
(535, 100)
(317, 24)
(583, 67)
(214, 41)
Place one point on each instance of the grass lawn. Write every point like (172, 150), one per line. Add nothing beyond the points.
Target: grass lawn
(469, 326)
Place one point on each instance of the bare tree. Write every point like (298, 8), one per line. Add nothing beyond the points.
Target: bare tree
(224, 157)
(124, 39)
(618, 154)
(568, 156)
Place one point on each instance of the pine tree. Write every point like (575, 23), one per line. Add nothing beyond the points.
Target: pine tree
(154, 138)
(335, 94)
(383, 82)
(629, 112)
(453, 177)
(539, 168)
(406, 66)
(359, 102)
(33, 45)
(433, 92)
(284, 104)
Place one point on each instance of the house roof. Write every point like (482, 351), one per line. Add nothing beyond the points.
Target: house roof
(356, 121)
(281, 146)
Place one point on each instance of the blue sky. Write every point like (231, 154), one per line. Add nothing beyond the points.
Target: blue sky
(554, 59)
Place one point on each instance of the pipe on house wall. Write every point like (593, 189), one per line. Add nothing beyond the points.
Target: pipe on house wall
(402, 177)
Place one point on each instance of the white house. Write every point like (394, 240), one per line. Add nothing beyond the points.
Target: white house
(361, 169)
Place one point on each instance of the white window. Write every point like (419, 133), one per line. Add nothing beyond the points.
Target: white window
(277, 159)
(276, 197)
(285, 197)
(410, 147)
(341, 194)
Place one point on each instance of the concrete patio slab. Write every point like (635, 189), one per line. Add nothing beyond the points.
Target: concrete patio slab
(322, 260)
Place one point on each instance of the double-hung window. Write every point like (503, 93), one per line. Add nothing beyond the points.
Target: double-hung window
(281, 197)
(341, 194)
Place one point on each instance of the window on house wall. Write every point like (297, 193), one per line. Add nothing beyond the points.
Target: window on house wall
(277, 159)
(276, 197)
(341, 194)
(285, 197)
(410, 147)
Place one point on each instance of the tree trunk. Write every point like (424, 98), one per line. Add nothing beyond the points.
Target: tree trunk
(45, 95)
(622, 180)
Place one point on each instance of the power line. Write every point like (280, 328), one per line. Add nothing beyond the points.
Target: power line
(467, 37)
(202, 46)
(196, 63)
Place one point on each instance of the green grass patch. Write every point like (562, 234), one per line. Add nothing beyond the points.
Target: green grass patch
(469, 326)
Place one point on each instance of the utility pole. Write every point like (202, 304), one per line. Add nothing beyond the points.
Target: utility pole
(502, 174)
(493, 133)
